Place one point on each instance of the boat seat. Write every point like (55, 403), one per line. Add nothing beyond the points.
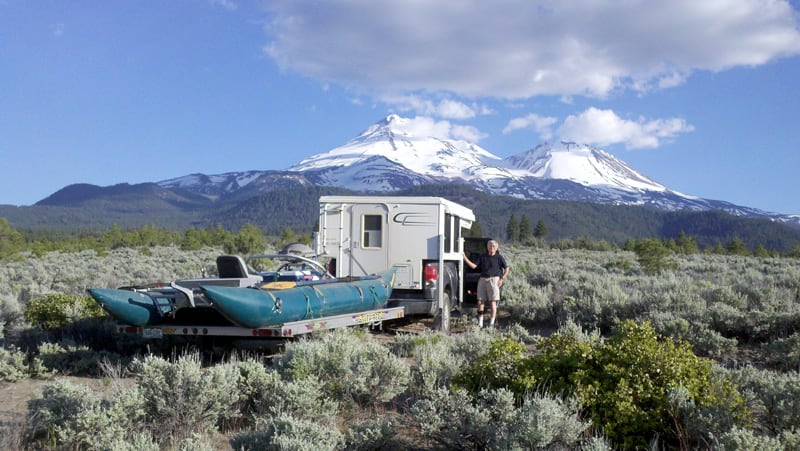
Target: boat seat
(231, 267)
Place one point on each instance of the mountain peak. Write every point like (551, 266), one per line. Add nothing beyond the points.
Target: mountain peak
(393, 118)
(393, 126)
(582, 164)
(409, 143)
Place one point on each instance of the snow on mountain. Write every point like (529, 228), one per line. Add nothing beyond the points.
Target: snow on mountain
(433, 159)
(234, 183)
(208, 184)
(396, 140)
(397, 153)
(582, 164)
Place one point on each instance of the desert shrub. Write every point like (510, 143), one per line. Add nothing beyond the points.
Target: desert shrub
(197, 442)
(11, 316)
(436, 365)
(56, 310)
(16, 365)
(13, 364)
(68, 358)
(619, 264)
(492, 419)
(460, 420)
(669, 324)
(704, 340)
(707, 342)
(287, 433)
(783, 354)
(70, 416)
(471, 345)
(253, 381)
(790, 439)
(301, 405)
(740, 438)
(503, 365)
(763, 326)
(693, 424)
(406, 345)
(180, 396)
(775, 397)
(143, 441)
(729, 321)
(624, 382)
(351, 368)
(532, 307)
(521, 295)
(548, 422)
(375, 433)
(301, 399)
(52, 416)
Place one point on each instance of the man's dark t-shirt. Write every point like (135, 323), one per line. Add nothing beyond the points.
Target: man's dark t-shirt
(491, 265)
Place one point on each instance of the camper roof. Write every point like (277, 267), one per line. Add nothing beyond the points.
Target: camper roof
(451, 207)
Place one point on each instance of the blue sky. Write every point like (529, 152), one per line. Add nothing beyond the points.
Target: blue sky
(701, 96)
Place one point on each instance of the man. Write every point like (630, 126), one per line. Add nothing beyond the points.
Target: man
(493, 269)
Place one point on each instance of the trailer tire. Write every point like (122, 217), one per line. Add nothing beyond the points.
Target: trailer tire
(442, 319)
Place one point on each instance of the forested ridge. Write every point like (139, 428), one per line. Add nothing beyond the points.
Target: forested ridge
(298, 209)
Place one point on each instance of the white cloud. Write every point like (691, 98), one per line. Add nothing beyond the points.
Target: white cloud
(605, 127)
(227, 4)
(467, 133)
(454, 110)
(524, 48)
(424, 126)
(540, 124)
(427, 126)
(443, 108)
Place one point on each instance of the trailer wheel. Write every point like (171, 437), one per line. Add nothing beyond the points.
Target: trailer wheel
(442, 319)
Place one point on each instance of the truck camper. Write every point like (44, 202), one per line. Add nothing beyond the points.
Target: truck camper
(420, 237)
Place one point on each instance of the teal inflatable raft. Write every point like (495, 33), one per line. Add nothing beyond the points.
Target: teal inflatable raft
(256, 307)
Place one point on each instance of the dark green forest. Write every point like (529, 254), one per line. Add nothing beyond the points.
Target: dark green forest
(297, 210)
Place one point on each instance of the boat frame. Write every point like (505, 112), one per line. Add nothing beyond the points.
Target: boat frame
(370, 318)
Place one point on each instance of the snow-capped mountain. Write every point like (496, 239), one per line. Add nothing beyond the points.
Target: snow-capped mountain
(400, 157)
(390, 156)
(582, 164)
(393, 154)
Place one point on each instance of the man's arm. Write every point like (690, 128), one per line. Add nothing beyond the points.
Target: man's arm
(468, 261)
(506, 269)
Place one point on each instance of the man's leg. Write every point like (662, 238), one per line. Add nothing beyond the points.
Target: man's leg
(484, 292)
(494, 313)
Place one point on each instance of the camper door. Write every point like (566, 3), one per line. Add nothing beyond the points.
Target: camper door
(368, 251)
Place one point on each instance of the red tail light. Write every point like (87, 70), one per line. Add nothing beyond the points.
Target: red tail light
(431, 273)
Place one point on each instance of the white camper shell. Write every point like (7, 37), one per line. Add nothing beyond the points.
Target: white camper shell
(420, 236)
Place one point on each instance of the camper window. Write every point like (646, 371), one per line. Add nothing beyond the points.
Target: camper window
(372, 231)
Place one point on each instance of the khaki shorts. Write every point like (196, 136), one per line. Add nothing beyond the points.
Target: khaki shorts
(488, 289)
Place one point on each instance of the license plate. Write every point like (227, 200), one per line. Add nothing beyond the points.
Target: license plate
(152, 333)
